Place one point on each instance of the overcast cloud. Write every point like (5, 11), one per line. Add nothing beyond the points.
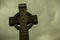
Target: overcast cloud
(48, 12)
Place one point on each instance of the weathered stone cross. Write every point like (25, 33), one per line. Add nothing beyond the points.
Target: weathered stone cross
(23, 21)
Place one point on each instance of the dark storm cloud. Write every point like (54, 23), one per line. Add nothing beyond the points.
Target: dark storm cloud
(1, 2)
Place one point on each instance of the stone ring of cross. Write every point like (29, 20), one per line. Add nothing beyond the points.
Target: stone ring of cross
(14, 20)
(29, 23)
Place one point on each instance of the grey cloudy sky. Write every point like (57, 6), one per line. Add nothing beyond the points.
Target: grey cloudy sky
(48, 11)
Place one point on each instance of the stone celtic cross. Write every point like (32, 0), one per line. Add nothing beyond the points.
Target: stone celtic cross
(23, 21)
